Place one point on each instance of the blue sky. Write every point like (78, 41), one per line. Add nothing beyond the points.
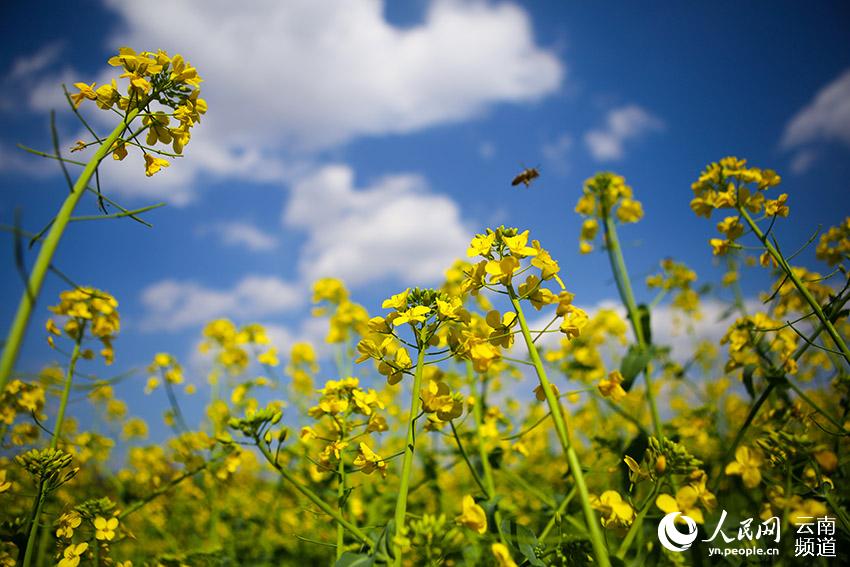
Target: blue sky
(372, 141)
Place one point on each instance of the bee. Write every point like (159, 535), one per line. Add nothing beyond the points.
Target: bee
(526, 176)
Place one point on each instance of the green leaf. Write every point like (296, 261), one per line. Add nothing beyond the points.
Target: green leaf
(495, 458)
(522, 540)
(748, 379)
(645, 322)
(351, 559)
(633, 364)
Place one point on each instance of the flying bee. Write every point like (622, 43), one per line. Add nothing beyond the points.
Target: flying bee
(526, 176)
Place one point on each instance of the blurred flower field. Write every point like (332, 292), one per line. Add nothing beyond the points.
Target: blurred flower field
(488, 421)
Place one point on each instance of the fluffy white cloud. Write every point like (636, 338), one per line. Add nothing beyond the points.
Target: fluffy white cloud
(314, 74)
(825, 118)
(803, 160)
(393, 228)
(24, 76)
(173, 305)
(241, 234)
(29, 65)
(16, 160)
(285, 80)
(622, 125)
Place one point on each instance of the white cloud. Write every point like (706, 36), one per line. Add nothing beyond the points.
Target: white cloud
(623, 124)
(803, 160)
(670, 328)
(316, 74)
(46, 94)
(393, 228)
(16, 160)
(178, 184)
(285, 80)
(826, 118)
(241, 234)
(29, 65)
(173, 304)
(25, 76)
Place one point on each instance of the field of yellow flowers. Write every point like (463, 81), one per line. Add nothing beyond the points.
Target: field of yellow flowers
(452, 427)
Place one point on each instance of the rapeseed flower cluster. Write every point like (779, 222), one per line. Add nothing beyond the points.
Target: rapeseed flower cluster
(152, 78)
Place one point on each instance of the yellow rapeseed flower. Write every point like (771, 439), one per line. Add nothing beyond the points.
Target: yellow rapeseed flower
(67, 523)
(747, 465)
(105, 529)
(502, 555)
(71, 555)
(616, 513)
(369, 461)
(154, 164)
(611, 387)
(472, 515)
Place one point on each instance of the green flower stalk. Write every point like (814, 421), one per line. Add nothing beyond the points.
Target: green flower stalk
(600, 551)
(607, 197)
(407, 459)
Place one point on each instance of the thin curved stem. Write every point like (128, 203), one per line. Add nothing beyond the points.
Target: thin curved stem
(314, 498)
(487, 493)
(804, 291)
(48, 250)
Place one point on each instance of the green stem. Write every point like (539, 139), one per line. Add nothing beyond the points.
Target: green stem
(754, 409)
(535, 491)
(638, 521)
(122, 214)
(57, 430)
(313, 497)
(66, 392)
(484, 488)
(172, 400)
(340, 494)
(407, 463)
(804, 291)
(136, 506)
(599, 549)
(624, 286)
(48, 249)
(36, 514)
(842, 515)
(814, 405)
(478, 416)
(559, 511)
